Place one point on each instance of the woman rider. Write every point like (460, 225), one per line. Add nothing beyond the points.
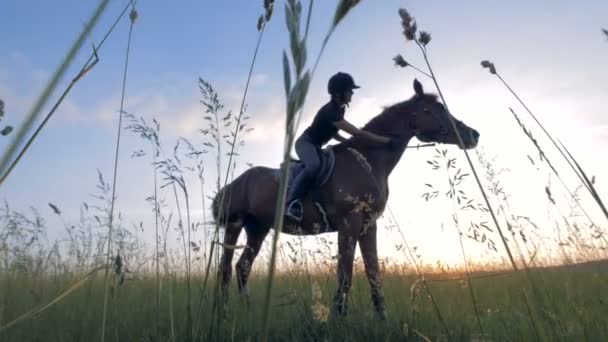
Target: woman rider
(325, 125)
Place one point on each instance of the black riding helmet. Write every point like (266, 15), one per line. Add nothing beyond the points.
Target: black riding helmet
(340, 83)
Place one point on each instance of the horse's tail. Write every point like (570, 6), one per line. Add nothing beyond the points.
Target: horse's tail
(230, 203)
(215, 207)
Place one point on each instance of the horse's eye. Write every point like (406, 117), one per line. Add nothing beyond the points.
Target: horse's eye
(427, 111)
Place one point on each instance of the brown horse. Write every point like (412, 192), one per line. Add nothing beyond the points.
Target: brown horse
(355, 194)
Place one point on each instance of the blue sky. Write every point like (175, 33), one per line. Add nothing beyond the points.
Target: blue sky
(551, 52)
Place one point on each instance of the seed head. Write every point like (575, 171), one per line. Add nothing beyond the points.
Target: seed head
(400, 62)
(424, 38)
(410, 32)
(405, 16)
(605, 32)
(6, 130)
(260, 22)
(489, 65)
(268, 6)
(55, 209)
(343, 8)
(408, 23)
(133, 15)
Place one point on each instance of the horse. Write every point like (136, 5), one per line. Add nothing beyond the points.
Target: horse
(356, 194)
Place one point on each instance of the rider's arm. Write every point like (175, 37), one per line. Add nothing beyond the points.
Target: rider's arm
(354, 131)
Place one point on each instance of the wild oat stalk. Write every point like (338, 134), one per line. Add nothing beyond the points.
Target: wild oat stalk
(421, 277)
(150, 134)
(461, 202)
(133, 16)
(240, 125)
(543, 157)
(402, 63)
(213, 109)
(588, 183)
(224, 131)
(172, 169)
(492, 69)
(422, 39)
(410, 31)
(50, 87)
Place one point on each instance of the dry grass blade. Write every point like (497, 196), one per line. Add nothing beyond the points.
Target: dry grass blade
(492, 69)
(48, 90)
(587, 182)
(88, 65)
(56, 300)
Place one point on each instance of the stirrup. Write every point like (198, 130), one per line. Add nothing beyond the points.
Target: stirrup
(297, 216)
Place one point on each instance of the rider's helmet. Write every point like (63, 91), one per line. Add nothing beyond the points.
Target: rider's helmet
(341, 82)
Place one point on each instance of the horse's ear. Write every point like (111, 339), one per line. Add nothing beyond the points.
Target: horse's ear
(418, 87)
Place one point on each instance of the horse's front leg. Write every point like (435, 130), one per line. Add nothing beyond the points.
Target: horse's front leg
(369, 251)
(347, 243)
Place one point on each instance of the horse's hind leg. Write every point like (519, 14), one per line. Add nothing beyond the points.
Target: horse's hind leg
(256, 233)
(231, 235)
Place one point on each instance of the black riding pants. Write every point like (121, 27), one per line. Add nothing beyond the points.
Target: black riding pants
(309, 154)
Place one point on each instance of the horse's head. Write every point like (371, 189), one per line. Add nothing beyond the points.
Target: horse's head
(431, 122)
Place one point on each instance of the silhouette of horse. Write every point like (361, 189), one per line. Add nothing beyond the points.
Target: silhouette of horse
(355, 194)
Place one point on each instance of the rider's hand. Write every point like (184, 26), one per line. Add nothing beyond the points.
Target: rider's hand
(395, 143)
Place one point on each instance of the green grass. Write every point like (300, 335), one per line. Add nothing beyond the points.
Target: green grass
(575, 309)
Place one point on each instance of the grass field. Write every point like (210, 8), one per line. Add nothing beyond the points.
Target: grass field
(571, 309)
(171, 293)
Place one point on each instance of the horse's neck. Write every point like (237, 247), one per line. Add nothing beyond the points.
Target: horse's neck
(383, 159)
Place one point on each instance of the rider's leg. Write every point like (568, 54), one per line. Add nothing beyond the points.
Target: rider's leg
(308, 154)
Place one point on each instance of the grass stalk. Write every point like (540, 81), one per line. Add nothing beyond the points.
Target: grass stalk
(410, 30)
(544, 157)
(577, 171)
(420, 275)
(113, 198)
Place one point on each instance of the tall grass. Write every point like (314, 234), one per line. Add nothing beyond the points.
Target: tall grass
(55, 283)
(133, 17)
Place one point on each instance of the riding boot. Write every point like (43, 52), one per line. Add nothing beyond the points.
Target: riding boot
(294, 207)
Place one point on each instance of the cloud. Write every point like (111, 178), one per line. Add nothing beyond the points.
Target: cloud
(268, 122)
(259, 79)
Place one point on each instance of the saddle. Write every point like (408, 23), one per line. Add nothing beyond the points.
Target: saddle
(328, 163)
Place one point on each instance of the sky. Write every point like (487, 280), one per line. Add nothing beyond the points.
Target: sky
(551, 52)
